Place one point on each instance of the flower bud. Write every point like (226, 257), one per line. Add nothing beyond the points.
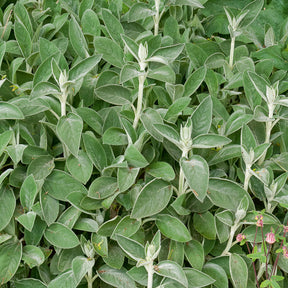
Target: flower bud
(150, 252)
(240, 237)
(142, 55)
(259, 219)
(270, 238)
(88, 249)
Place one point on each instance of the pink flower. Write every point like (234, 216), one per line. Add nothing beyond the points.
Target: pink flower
(259, 219)
(259, 223)
(270, 238)
(285, 228)
(240, 237)
(285, 252)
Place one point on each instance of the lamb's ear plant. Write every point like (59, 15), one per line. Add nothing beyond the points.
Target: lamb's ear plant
(143, 144)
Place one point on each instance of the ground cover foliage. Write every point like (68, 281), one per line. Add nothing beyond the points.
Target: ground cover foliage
(143, 143)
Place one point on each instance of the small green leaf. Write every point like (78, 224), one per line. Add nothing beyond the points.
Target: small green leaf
(113, 26)
(7, 206)
(90, 23)
(210, 141)
(28, 193)
(172, 270)
(80, 167)
(202, 117)
(64, 280)
(126, 177)
(218, 273)
(29, 283)
(131, 247)
(152, 199)
(10, 256)
(27, 220)
(161, 170)
(69, 129)
(77, 38)
(41, 167)
(126, 227)
(205, 225)
(172, 228)
(134, 157)
(221, 196)
(49, 207)
(112, 52)
(23, 38)
(10, 111)
(238, 270)
(168, 132)
(32, 256)
(194, 253)
(116, 278)
(103, 187)
(100, 244)
(115, 136)
(95, 151)
(5, 138)
(197, 278)
(177, 107)
(114, 94)
(115, 258)
(80, 266)
(60, 236)
(60, 184)
(196, 172)
(194, 81)
(162, 73)
(236, 121)
(139, 11)
(84, 67)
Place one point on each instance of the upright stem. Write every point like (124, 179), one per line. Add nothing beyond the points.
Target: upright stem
(150, 271)
(232, 47)
(247, 178)
(230, 240)
(63, 108)
(269, 126)
(156, 18)
(90, 278)
(254, 268)
(141, 79)
(181, 175)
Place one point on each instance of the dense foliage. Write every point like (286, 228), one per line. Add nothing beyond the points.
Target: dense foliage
(143, 143)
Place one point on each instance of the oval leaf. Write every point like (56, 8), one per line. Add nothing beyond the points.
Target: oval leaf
(61, 236)
(172, 228)
(152, 199)
(196, 172)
